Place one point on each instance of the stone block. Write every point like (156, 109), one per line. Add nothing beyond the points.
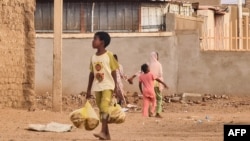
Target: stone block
(191, 97)
(175, 99)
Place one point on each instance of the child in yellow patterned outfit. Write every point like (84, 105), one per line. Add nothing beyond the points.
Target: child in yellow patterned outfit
(102, 79)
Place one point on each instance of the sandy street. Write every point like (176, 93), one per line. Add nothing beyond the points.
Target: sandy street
(181, 122)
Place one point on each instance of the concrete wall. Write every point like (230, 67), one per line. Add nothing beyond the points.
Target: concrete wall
(178, 22)
(186, 67)
(17, 50)
(132, 52)
(210, 72)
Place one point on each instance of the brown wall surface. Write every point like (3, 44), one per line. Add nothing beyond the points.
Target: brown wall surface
(17, 50)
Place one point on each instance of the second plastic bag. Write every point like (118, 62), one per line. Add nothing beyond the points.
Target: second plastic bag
(116, 115)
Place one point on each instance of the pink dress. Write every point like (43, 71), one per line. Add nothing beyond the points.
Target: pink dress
(147, 80)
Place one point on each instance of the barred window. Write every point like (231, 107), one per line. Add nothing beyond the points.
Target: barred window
(112, 17)
(44, 16)
(152, 19)
(83, 16)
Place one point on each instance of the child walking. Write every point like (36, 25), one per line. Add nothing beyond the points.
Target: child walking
(120, 75)
(146, 79)
(102, 79)
(156, 68)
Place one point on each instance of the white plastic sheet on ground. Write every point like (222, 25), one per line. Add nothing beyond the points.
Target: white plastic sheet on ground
(50, 127)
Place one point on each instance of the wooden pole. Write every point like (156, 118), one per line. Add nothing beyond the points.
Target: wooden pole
(236, 35)
(219, 45)
(203, 41)
(209, 41)
(206, 37)
(225, 37)
(57, 57)
(247, 22)
(231, 34)
(240, 25)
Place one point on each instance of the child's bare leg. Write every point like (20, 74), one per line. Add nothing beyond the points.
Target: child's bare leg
(153, 101)
(107, 132)
(104, 134)
(105, 103)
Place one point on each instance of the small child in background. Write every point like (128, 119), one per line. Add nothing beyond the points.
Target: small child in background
(156, 68)
(120, 75)
(146, 85)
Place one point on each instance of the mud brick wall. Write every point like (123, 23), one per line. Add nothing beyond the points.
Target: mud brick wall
(17, 48)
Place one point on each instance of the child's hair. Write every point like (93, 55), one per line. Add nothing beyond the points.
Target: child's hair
(115, 56)
(103, 36)
(144, 68)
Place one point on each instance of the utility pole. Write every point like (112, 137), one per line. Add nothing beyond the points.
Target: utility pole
(240, 32)
(92, 17)
(57, 57)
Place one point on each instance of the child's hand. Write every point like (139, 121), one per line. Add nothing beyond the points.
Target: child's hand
(88, 95)
(130, 80)
(165, 86)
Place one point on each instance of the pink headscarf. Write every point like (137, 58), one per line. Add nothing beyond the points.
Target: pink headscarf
(156, 67)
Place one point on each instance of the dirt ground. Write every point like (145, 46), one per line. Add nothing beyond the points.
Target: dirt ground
(202, 121)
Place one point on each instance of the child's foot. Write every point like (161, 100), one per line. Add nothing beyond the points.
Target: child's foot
(158, 115)
(102, 136)
(108, 138)
(151, 114)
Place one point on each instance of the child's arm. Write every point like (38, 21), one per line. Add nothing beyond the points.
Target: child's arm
(120, 70)
(140, 87)
(159, 80)
(130, 80)
(91, 79)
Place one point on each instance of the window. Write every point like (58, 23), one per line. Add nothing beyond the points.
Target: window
(152, 19)
(71, 17)
(81, 16)
(44, 16)
(112, 17)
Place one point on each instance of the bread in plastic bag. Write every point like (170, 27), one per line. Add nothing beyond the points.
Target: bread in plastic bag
(85, 117)
(116, 115)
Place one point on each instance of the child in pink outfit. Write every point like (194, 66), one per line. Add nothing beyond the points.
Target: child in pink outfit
(146, 79)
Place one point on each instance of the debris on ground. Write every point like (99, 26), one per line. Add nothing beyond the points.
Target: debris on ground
(193, 98)
(134, 101)
(50, 127)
